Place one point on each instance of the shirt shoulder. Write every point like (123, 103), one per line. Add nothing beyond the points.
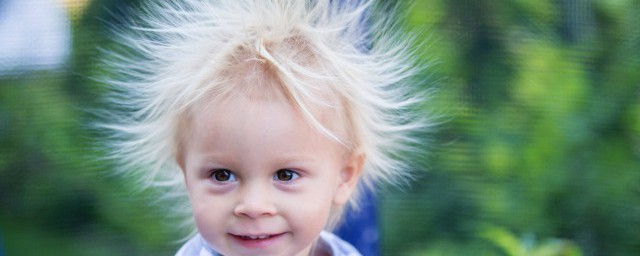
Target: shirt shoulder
(196, 247)
(337, 246)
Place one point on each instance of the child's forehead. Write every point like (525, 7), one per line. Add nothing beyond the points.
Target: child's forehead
(263, 120)
(257, 96)
(242, 113)
(253, 99)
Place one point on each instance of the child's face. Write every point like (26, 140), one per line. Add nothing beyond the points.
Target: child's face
(261, 180)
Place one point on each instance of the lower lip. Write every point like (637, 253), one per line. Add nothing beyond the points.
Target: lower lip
(257, 243)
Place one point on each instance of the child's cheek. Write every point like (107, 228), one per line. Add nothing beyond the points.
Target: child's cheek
(208, 213)
(309, 204)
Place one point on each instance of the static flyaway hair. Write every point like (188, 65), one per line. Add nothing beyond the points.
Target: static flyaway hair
(346, 55)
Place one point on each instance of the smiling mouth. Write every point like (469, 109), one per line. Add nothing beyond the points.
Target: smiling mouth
(257, 241)
(257, 237)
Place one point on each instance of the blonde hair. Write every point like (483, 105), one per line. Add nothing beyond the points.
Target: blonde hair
(180, 52)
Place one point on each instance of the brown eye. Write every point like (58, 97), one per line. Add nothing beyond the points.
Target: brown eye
(285, 175)
(223, 175)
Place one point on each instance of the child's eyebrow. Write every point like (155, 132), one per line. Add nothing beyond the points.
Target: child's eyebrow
(216, 158)
(296, 160)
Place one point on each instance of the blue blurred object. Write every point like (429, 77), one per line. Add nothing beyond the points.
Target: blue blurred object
(34, 35)
(1, 247)
(360, 228)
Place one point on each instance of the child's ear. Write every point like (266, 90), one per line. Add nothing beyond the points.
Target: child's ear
(179, 157)
(349, 177)
(180, 160)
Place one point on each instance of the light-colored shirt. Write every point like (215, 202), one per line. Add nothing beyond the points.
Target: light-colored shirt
(196, 246)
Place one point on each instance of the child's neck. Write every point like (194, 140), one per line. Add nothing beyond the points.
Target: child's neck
(319, 249)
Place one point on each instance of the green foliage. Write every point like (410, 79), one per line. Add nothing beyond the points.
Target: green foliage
(56, 197)
(512, 246)
(542, 138)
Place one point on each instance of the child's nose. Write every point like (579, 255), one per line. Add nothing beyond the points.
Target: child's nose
(255, 202)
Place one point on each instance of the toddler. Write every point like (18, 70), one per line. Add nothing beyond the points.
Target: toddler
(265, 114)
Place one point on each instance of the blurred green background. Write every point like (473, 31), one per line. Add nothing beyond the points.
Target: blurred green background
(538, 154)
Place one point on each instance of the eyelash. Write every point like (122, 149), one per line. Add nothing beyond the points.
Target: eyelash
(225, 176)
(293, 175)
(230, 176)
